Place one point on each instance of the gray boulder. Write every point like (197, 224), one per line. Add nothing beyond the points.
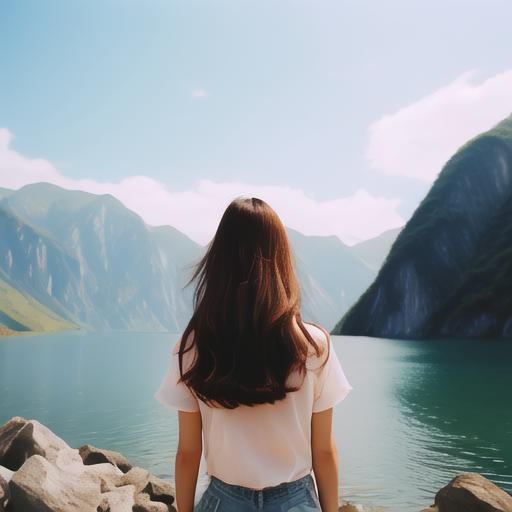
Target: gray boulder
(6, 474)
(121, 499)
(471, 492)
(92, 455)
(138, 477)
(152, 494)
(106, 474)
(159, 490)
(39, 486)
(4, 493)
(350, 507)
(39, 472)
(143, 503)
(21, 438)
(8, 433)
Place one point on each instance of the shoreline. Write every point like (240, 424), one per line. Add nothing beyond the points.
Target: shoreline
(40, 471)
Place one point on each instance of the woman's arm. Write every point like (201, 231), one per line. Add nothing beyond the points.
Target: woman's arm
(325, 460)
(188, 458)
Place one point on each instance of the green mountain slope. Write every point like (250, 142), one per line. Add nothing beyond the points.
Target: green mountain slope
(21, 313)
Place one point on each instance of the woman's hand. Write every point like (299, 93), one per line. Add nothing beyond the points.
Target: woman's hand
(188, 458)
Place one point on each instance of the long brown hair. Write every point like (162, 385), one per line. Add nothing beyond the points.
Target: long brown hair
(246, 309)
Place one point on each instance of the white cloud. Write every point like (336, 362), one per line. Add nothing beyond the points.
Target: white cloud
(197, 211)
(199, 94)
(417, 140)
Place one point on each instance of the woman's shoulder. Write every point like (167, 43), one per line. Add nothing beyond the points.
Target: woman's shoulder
(322, 338)
(189, 344)
(189, 350)
(317, 332)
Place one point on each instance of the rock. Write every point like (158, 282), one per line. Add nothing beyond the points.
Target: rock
(8, 433)
(103, 506)
(4, 493)
(138, 477)
(21, 438)
(92, 455)
(471, 492)
(108, 475)
(350, 507)
(430, 509)
(159, 490)
(121, 499)
(143, 503)
(6, 474)
(39, 472)
(39, 486)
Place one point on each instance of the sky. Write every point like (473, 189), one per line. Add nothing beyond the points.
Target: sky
(340, 114)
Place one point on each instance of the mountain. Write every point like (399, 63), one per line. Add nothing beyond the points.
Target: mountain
(36, 265)
(449, 272)
(19, 312)
(332, 277)
(92, 262)
(375, 250)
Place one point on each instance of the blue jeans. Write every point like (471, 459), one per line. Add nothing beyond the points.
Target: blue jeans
(297, 496)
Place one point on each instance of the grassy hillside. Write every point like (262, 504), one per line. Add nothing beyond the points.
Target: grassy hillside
(21, 313)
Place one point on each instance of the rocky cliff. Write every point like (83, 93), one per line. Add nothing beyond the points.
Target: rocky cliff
(447, 273)
(93, 261)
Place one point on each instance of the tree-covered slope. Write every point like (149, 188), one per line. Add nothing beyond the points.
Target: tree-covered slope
(482, 305)
(447, 267)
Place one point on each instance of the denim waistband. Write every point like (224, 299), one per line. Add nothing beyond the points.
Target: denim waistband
(278, 491)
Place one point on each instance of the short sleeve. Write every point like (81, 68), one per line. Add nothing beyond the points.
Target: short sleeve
(174, 394)
(332, 383)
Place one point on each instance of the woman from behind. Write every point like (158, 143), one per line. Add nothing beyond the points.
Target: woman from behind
(251, 380)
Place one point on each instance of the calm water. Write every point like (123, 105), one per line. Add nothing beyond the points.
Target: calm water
(420, 412)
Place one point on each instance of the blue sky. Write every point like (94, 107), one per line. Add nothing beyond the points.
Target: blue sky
(279, 94)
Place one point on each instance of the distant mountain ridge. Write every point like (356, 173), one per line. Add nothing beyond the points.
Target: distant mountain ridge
(92, 260)
(449, 272)
(94, 263)
(374, 251)
(332, 277)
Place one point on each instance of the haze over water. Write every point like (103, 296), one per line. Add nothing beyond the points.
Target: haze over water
(420, 412)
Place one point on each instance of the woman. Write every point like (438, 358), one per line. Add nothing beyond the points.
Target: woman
(253, 379)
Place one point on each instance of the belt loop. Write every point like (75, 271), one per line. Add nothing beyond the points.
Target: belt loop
(260, 499)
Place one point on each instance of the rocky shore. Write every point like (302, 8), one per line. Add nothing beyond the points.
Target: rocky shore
(39, 472)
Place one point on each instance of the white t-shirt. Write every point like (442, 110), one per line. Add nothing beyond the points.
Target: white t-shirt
(266, 444)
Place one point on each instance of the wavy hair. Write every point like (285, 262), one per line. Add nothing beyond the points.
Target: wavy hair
(246, 312)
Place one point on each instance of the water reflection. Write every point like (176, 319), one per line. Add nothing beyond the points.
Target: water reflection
(455, 402)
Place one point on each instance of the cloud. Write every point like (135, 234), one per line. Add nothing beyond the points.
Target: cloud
(417, 140)
(199, 94)
(197, 211)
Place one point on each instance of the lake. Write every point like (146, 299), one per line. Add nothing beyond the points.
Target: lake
(420, 411)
